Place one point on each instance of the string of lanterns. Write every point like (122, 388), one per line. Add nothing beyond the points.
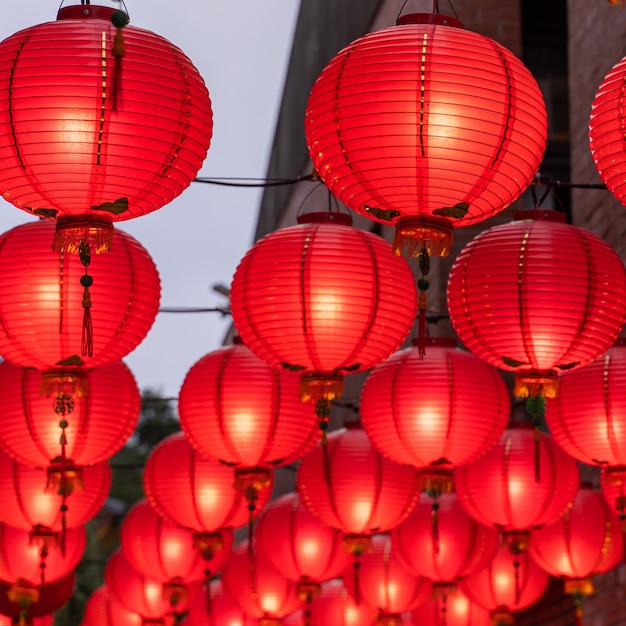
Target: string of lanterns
(436, 509)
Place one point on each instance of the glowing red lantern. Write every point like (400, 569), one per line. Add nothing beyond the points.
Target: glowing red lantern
(140, 594)
(503, 489)
(29, 496)
(455, 101)
(163, 551)
(586, 541)
(299, 545)
(606, 134)
(538, 297)
(356, 489)
(588, 419)
(511, 582)
(35, 557)
(97, 424)
(35, 602)
(43, 306)
(435, 425)
(104, 609)
(385, 584)
(235, 408)
(212, 607)
(455, 609)
(188, 489)
(110, 139)
(259, 589)
(440, 541)
(323, 299)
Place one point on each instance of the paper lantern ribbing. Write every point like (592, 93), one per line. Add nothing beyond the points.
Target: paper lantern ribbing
(454, 101)
(236, 409)
(444, 543)
(216, 610)
(538, 297)
(259, 589)
(122, 124)
(451, 610)
(323, 299)
(456, 413)
(188, 489)
(98, 423)
(299, 545)
(104, 609)
(357, 490)
(43, 306)
(606, 131)
(503, 488)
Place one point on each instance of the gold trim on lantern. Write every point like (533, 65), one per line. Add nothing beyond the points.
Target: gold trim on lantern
(357, 544)
(71, 231)
(255, 478)
(59, 382)
(443, 590)
(23, 593)
(43, 537)
(64, 476)
(208, 544)
(308, 590)
(414, 234)
(516, 541)
(315, 387)
(392, 619)
(502, 617)
(436, 481)
(528, 384)
(578, 586)
(175, 591)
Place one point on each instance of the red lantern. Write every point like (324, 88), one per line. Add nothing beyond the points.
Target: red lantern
(510, 583)
(606, 131)
(44, 305)
(35, 601)
(111, 138)
(586, 541)
(140, 594)
(455, 101)
(358, 490)
(35, 557)
(455, 414)
(455, 609)
(588, 419)
(258, 589)
(440, 541)
(104, 609)
(188, 489)
(299, 545)
(501, 488)
(29, 496)
(235, 408)
(323, 299)
(163, 551)
(537, 297)
(98, 423)
(212, 607)
(385, 584)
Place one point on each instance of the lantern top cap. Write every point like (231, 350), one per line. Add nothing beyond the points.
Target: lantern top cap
(441, 342)
(85, 11)
(325, 217)
(543, 215)
(429, 18)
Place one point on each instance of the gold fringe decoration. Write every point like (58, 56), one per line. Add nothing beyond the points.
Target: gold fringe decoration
(23, 594)
(71, 231)
(429, 233)
(528, 384)
(315, 387)
(502, 617)
(175, 592)
(208, 544)
(308, 590)
(389, 620)
(63, 382)
(269, 621)
(516, 541)
(436, 481)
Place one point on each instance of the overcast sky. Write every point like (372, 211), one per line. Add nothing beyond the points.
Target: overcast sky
(241, 49)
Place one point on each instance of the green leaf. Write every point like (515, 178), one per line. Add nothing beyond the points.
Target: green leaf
(47, 213)
(568, 366)
(382, 214)
(511, 362)
(72, 360)
(292, 368)
(457, 211)
(119, 206)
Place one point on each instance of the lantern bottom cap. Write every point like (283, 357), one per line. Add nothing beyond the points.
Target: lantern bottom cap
(74, 230)
(415, 234)
(536, 383)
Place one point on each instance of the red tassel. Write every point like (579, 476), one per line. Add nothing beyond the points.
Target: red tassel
(537, 455)
(421, 327)
(86, 346)
(435, 527)
(357, 580)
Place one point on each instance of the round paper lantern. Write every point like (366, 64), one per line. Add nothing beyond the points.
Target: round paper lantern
(52, 322)
(588, 419)
(385, 584)
(35, 601)
(606, 134)
(36, 557)
(503, 488)
(259, 589)
(510, 583)
(164, 551)
(454, 101)
(538, 297)
(355, 488)
(586, 541)
(454, 609)
(121, 127)
(323, 299)
(299, 545)
(97, 424)
(440, 541)
(188, 489)
(458, 411)
(212, 607)
(29, 496)
(235, 408)
(140, 594)
(104, 609)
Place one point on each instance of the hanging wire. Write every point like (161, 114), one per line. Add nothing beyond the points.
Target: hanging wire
(255, 182)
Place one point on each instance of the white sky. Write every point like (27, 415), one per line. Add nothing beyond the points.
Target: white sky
(241, 49)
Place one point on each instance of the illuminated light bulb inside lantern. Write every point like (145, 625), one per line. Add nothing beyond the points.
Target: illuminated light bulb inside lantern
(74, 135)
(171, 549)
(270, 603)
(428, 421)
(389, 592)
(516, 487)
(43, 507)
(243, 426)
(327, 306)
(352, 616)
(153, 591)
(502, 582)
(309, 548)
(361, 512)
(458, 605)
(208, 497)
